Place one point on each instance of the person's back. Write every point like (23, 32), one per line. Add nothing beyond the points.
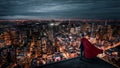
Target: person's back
(90, 51)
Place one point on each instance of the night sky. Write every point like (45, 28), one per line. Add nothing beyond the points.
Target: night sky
(52, 9)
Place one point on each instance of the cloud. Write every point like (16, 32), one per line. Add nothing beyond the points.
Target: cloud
(59, 9)
(51, 8)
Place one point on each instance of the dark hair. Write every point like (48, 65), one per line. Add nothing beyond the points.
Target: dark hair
(86, 34)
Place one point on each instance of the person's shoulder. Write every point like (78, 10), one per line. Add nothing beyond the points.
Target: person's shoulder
(83, 39)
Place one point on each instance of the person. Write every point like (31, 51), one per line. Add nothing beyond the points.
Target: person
(89, 50)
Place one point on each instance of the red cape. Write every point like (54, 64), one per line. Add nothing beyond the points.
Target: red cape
(90, 51)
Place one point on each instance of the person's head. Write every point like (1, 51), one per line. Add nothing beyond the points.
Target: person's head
(87, 36)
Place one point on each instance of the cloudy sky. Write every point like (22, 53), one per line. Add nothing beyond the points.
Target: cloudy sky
(52, 9)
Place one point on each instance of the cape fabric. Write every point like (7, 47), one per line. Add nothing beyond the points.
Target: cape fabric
(90, 51)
